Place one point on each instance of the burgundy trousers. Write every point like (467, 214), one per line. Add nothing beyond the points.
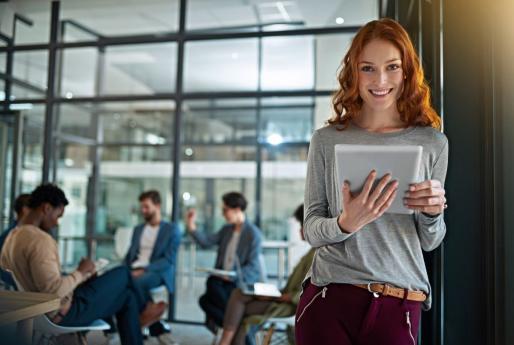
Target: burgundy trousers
(342, 314)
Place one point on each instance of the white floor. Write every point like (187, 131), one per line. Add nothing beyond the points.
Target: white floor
(185, 334)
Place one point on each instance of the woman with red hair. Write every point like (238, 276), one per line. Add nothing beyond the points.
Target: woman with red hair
(368, 282)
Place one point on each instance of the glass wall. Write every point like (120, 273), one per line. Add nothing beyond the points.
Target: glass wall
(239, 119)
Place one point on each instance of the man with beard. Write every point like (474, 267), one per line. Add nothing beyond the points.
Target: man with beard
(152, 255)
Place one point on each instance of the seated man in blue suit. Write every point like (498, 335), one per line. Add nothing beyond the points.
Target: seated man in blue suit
(237, 238)
(152, 255)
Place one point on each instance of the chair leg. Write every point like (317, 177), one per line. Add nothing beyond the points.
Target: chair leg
(269, 334)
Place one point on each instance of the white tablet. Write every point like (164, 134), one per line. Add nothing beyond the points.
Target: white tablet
(355, 162)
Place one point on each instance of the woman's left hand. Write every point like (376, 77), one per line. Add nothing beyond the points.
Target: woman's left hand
(427, 197)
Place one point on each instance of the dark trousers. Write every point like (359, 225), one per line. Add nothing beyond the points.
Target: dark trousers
(348, 315)
(112, 293)
(215, 299)
(145, 283)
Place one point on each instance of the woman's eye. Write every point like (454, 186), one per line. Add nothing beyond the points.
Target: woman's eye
(394, 67)
(367, 69)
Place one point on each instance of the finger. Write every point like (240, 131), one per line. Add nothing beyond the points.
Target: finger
(430, 201)
(387, 204)
(368, 184)
(428, 192)
(393, 187)
(424, 185)
(433, 210)
(347, 195)
(380, 187)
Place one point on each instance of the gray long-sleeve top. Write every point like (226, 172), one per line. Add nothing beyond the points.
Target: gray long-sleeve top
(387, 250)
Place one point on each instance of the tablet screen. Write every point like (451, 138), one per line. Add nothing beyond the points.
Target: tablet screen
(355, 162)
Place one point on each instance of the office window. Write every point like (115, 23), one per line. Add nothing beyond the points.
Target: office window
(79, 75)
(31, 69)
(3, 60)
(330, 51)
(128, 69)
(119, 17)
(277, 15)
(288, 63)
(138, 122)
(37, 11)
(32, 142)
(77, 120)
(229, 65)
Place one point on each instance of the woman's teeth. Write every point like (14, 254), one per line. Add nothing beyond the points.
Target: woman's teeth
(380, 92)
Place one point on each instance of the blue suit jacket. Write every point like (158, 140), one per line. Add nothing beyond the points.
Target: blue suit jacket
(164, 255)
(248, 249)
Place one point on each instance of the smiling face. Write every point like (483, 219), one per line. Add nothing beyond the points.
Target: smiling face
(380, 75)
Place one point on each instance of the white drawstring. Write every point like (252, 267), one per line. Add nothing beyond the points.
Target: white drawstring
(407, 317)
(322, 293)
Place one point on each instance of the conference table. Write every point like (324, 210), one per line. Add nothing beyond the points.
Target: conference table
(21, 308)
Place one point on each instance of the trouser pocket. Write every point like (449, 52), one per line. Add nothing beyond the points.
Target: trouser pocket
(371, 316)
(322, 293)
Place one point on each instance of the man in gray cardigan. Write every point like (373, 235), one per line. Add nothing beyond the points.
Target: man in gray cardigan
(237, 238)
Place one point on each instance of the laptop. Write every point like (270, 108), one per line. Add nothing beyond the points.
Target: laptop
(256, 289)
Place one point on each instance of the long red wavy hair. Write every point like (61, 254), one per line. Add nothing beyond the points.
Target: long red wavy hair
(413, 104)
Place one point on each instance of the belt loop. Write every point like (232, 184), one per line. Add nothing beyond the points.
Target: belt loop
(405, 295)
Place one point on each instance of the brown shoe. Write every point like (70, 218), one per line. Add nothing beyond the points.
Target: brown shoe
(151, 313)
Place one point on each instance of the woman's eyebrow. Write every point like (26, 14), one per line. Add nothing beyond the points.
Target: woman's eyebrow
(388, 61)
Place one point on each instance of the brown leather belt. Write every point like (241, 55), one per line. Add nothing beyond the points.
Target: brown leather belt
(388, 290)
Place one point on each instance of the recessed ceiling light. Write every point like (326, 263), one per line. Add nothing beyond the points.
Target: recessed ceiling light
(339, 20)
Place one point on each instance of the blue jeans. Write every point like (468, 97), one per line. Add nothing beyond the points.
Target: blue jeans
(112, 293)
(145, 283)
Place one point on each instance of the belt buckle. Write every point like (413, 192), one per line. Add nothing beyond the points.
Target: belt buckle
(375, 294)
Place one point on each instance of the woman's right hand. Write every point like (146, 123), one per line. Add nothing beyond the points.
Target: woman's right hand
(368, 205)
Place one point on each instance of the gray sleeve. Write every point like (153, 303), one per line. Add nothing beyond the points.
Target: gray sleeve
(319, 228)
(431, 230)
(206, 240)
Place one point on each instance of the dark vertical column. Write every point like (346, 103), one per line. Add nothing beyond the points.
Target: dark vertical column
(469, 270)
(176, 152)
(48, 150)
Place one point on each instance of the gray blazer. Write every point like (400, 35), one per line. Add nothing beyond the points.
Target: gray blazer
(248, 250)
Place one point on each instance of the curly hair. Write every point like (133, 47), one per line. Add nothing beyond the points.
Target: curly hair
(414, 102)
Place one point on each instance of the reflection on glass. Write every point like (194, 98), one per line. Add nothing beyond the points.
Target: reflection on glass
(330, 51)
(286, 120)
(130, 69)
(3, 61)
(283, 183)
(31, 67)
(155, 153)
(229, 65)
(78, 72)
(119, 17)
(288, 63)
(141, 122)
(140, 69)
(76, 119)
(205, 15)
(38, 12)
(74, 169)
(21, 92)
(32, 151)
